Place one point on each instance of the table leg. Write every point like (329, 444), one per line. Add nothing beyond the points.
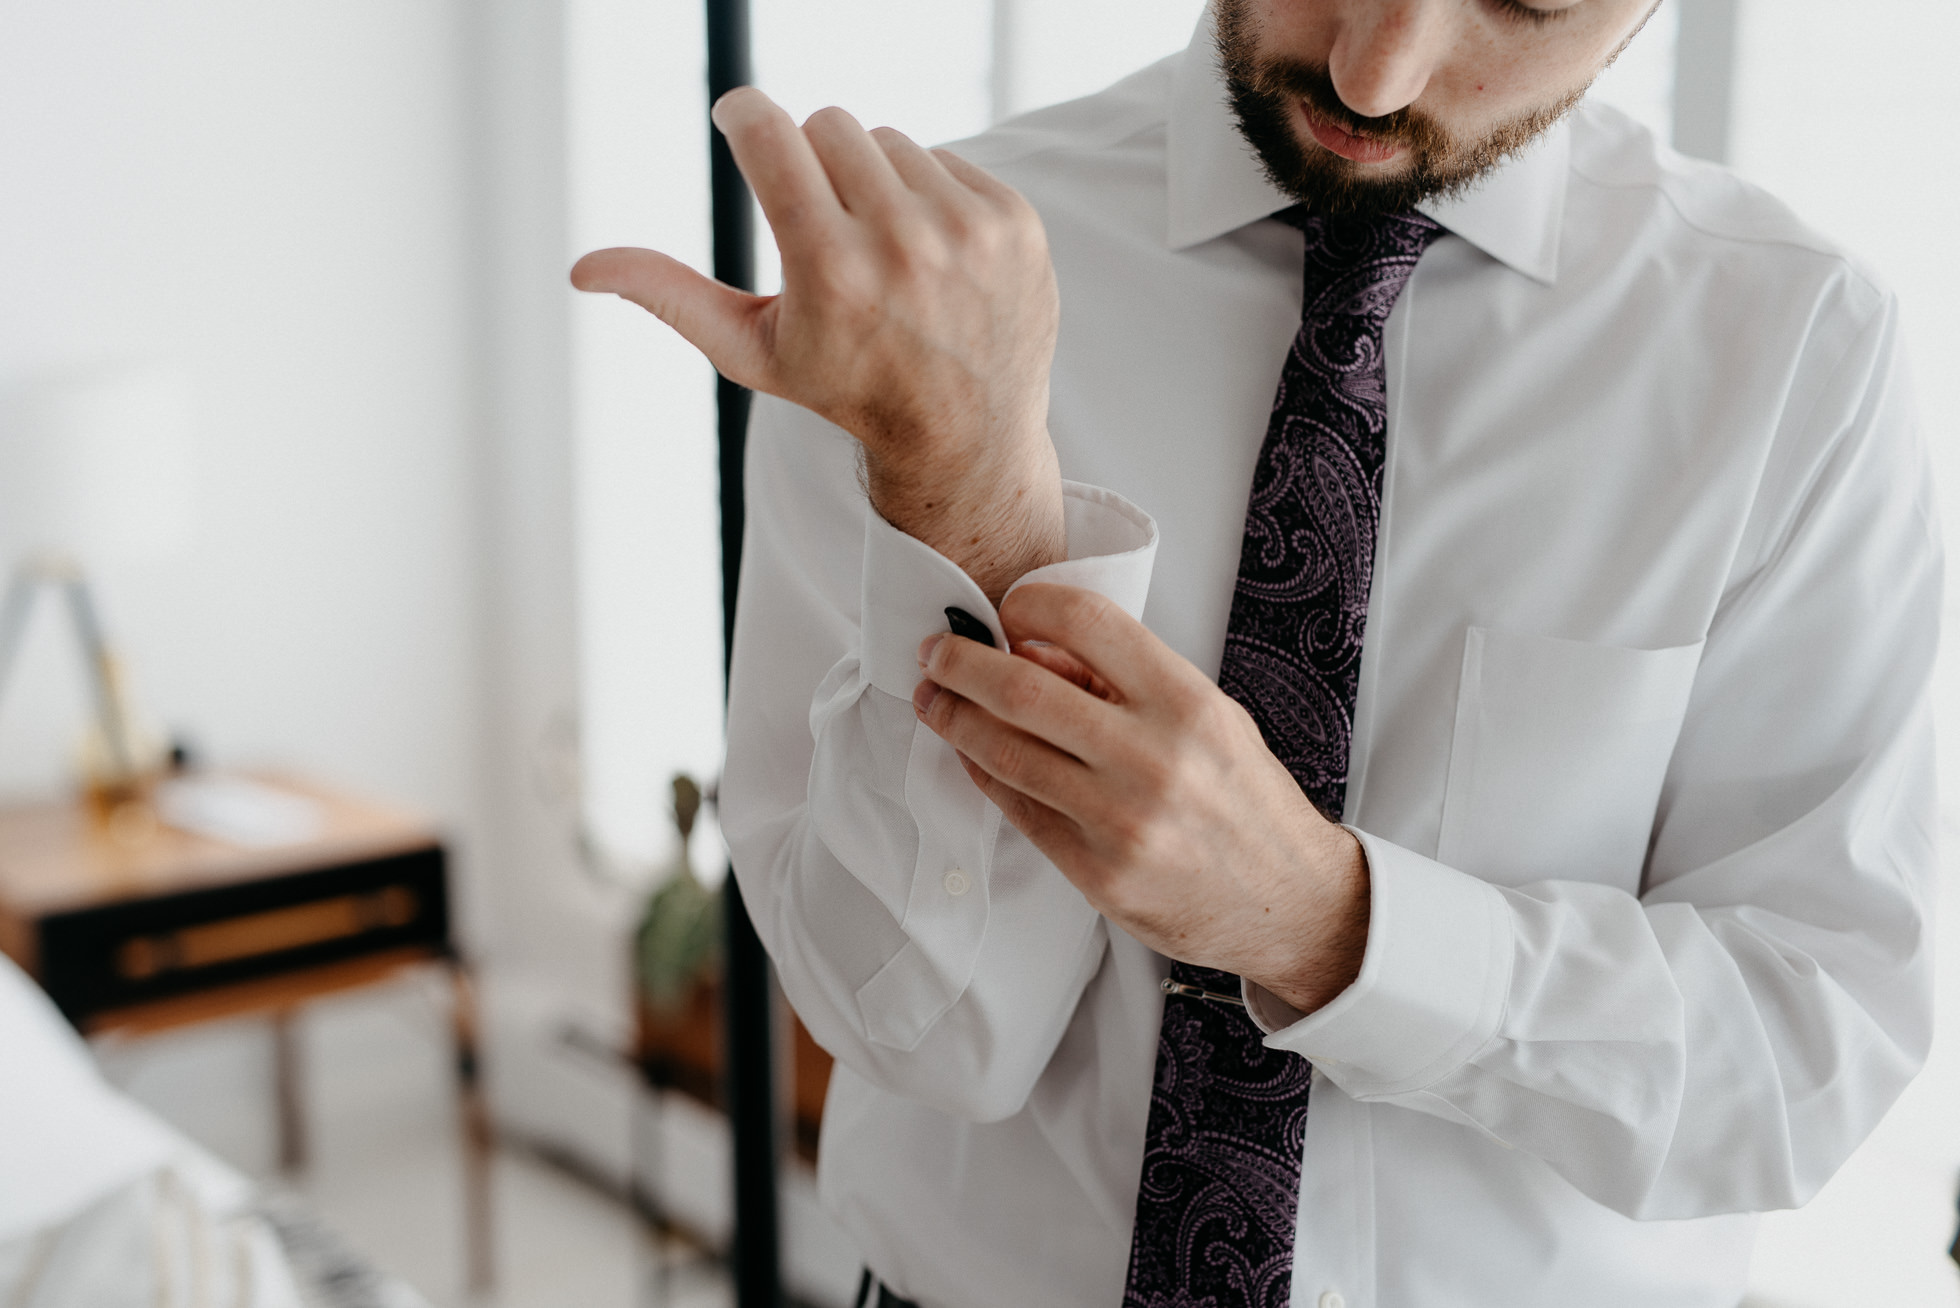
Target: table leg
(287, 1073)
(478, 1141)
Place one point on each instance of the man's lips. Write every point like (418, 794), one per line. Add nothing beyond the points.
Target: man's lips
(1361, 149)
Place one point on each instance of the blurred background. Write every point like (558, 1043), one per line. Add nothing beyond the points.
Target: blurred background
(416, 523)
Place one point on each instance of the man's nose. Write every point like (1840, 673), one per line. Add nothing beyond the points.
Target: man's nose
(1386, 51)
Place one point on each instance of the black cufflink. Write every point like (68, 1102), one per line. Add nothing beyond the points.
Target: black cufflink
(962, 623)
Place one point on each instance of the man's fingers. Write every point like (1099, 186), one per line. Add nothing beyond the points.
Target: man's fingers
(1031, 764)
(782, 167)
(859, 171)
(1114, 645)
(976, 178)
(1052, 833)
(718, 320)
(1038, 787)
(919, 167)
(1066, 666)
(1023, 695)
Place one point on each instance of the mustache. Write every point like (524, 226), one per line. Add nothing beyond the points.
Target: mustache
(1268, 93)
(1314, 85)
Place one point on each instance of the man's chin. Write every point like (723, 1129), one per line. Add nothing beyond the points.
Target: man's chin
(1327, 182)
(1318, 160)
(1283, 139)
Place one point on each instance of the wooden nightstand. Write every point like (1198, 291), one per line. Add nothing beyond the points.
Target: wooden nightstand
(133, 926)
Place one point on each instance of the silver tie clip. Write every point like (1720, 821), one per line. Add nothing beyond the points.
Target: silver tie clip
(1198, 992)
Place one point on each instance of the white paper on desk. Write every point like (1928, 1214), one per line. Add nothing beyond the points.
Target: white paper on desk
(239, 812)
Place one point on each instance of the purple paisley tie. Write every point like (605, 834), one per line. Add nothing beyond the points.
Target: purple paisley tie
(1228, 1116)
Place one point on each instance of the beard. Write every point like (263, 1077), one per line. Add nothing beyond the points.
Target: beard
(1263, 93)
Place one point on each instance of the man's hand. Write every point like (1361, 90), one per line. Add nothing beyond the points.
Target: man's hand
(1152, 790)
(918, 313)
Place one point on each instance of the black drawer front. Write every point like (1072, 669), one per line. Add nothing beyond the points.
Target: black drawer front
(135, 950)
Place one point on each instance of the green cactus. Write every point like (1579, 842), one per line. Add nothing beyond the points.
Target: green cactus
(678, 942)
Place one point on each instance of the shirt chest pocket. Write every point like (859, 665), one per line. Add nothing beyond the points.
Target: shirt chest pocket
(1558, 756)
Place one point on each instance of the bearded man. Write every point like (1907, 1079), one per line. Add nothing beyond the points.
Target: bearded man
(1426, 795)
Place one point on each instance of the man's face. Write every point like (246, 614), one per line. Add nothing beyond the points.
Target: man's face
(1367, 106)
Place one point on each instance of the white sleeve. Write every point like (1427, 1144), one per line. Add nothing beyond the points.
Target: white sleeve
(1723, 1041)
(924, 942)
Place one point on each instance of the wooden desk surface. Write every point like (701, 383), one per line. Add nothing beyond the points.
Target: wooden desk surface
(115, 915)
(57, 857)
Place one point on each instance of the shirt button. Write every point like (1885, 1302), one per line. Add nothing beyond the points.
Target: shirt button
(1332, 1299)
(958, 883)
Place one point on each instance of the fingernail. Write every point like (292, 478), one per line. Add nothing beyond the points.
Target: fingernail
(927, 645)
(715, 110)
(923, 697)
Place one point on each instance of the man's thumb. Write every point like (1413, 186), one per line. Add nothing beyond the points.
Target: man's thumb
(717, 320)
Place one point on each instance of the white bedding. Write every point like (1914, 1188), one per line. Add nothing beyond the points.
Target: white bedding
(102, 1204)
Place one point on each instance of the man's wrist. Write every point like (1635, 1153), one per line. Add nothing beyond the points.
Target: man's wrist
(1317, 963)
(997, 523)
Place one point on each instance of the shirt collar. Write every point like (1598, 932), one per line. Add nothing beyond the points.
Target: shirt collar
(1513, 213)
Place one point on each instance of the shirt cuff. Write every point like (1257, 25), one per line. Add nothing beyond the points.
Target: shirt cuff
(908, 585)
(1432, 984)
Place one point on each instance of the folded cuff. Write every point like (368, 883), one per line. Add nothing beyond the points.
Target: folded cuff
(908, 585)
(1432, 984)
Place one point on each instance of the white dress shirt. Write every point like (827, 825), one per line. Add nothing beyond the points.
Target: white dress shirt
(1641, 761)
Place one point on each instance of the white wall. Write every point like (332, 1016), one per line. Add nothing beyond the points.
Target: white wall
(347, 222)
(920, 68)
(1051, 52)
(272, 197)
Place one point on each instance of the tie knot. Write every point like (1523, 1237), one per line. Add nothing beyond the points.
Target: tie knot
(1358, 263)
(1303, 217)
